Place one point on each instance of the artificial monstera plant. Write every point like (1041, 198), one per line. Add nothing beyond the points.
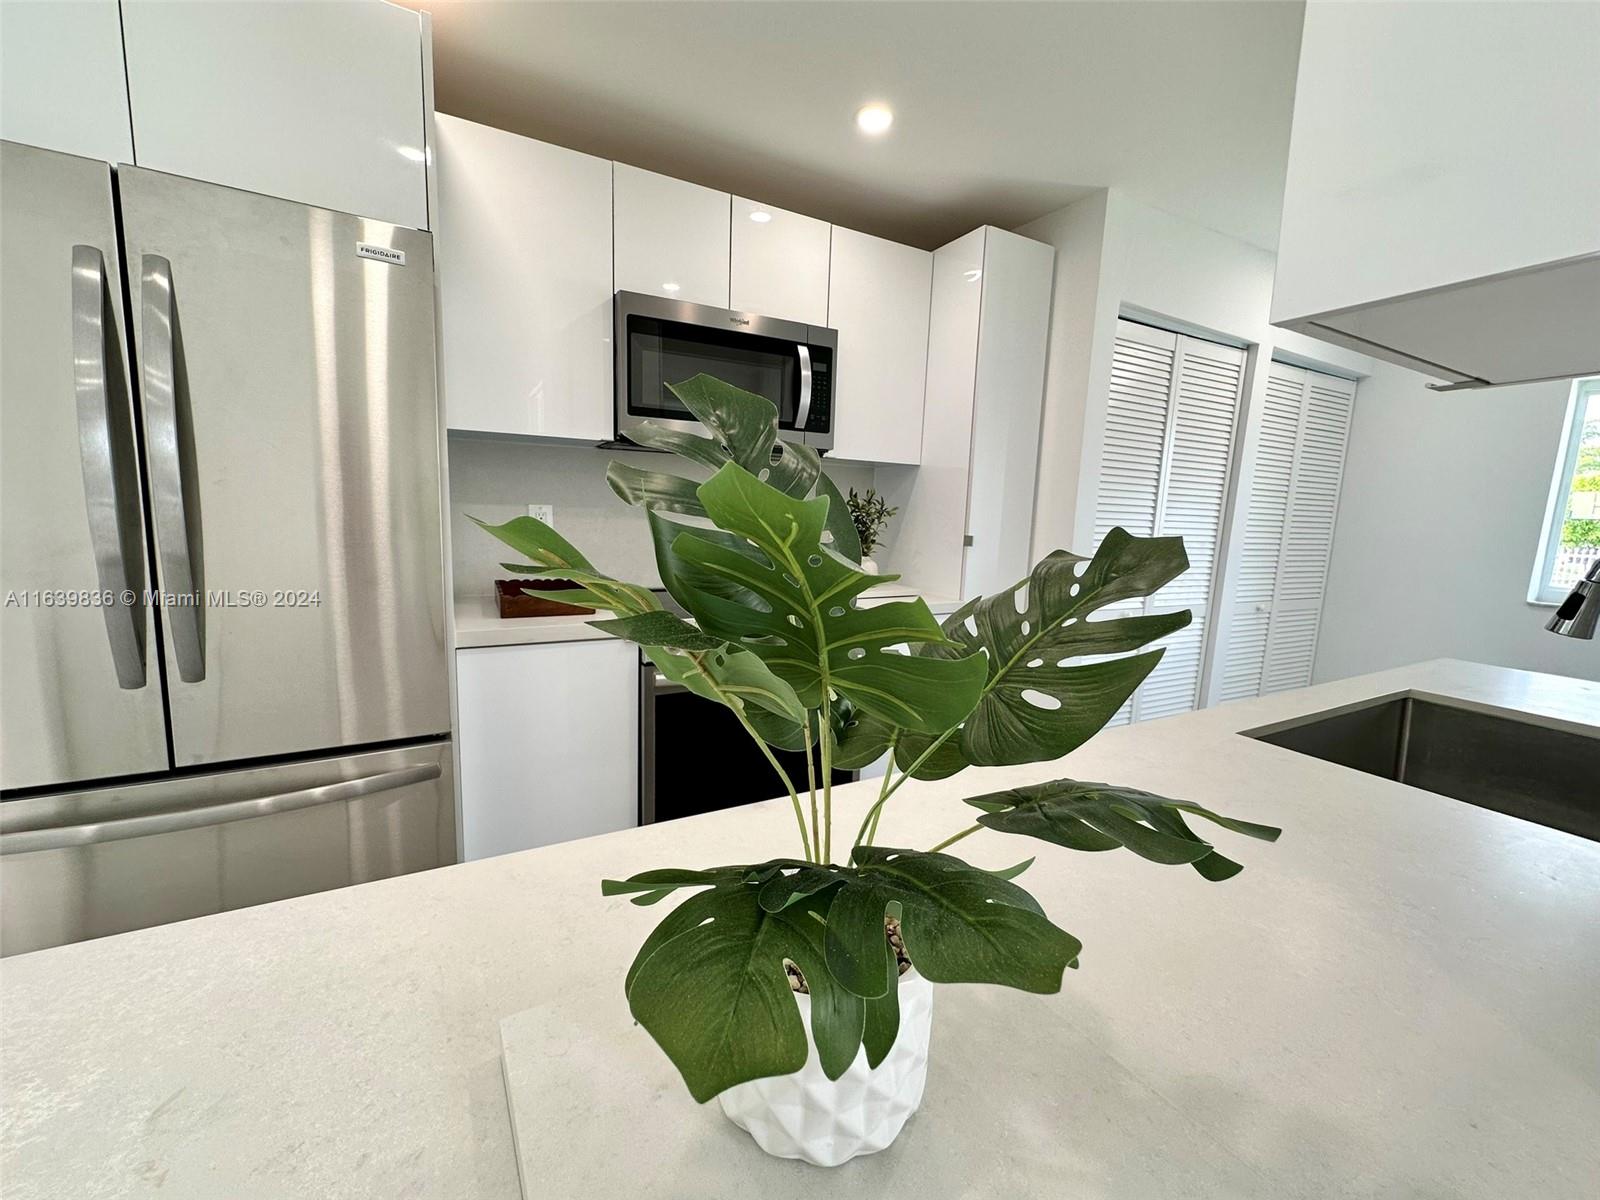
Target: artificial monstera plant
(764, 556)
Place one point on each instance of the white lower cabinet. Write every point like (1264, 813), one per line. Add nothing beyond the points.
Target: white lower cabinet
(548, 739)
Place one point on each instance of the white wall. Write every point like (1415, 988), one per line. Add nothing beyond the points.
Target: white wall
(495, 479)
(1439, 524)
(1117, 256)
(1443, 498)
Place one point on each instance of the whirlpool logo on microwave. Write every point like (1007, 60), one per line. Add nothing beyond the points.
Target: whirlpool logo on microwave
(738, 320)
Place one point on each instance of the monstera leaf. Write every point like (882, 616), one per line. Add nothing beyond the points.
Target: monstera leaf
(710, 985)
(961, 924)
(792, 605)
(705, 665)
(1102, 816)
(744, 429)
(1035, 704)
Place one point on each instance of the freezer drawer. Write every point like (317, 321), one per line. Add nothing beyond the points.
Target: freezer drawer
(85, 864)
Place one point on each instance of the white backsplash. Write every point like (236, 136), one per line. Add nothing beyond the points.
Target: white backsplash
(496, 479)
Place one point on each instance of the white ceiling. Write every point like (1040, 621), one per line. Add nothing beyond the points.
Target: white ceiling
(1003, 111)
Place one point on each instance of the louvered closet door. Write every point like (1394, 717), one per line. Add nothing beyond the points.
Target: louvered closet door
(1308, 538)
(1261, 542)
(1135, 445)
(1170, 424)
(1288, 539)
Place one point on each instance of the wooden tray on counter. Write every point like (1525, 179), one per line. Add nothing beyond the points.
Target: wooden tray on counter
(514, 602)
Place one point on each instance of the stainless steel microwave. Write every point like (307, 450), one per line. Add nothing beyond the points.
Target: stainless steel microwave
(660, 341)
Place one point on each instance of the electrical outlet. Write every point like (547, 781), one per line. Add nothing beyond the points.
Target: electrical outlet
(543, 512)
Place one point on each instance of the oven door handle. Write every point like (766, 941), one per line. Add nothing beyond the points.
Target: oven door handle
(802, 412)
(662, 685)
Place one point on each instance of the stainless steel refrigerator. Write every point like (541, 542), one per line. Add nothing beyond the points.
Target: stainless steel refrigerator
(223, 642)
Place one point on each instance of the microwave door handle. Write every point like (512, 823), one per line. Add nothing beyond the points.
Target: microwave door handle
(802, 413)
(103, 456)
(176, 532)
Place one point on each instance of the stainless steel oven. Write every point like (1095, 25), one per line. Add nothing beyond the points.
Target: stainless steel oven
(694, 757)
(660, 342)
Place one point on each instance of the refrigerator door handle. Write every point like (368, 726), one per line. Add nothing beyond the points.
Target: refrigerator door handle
(166, 444)
(93, 834)
(94, 376)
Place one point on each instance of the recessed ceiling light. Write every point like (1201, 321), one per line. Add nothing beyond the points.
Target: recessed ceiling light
(874, 118)
(669, 287)
(760, 216)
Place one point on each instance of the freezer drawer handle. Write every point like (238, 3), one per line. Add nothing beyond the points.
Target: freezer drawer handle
(105, 445)
(173, 499)
(66, 836)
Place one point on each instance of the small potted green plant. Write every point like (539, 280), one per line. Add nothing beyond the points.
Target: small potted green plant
(870, 514)
(799, 989)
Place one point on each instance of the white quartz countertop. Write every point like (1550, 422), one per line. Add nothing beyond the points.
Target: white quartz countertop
(1396, 999)
(479, 623)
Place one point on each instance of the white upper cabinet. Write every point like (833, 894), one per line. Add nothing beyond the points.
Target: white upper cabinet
(314, 102)
(671, 237)
(878, 299)
(1442, 201)
(524, 249)
(62, 84)
(780, 263)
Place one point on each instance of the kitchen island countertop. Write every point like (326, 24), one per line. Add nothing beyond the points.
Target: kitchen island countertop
(1396, 999)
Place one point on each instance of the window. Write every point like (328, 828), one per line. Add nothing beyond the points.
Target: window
(1572, 526)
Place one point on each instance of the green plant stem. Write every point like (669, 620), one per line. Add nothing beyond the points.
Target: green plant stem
(824, 730)
(737, 709)
(888, 773)
(872, 830)
(955, 837)
(870, 821)
(892, 788)
(788, 783)
(811, 781)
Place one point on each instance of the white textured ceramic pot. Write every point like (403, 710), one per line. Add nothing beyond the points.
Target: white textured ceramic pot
(827, 1122)
(869, 565)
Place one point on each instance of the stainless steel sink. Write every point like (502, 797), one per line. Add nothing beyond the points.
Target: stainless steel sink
(1551, 776)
